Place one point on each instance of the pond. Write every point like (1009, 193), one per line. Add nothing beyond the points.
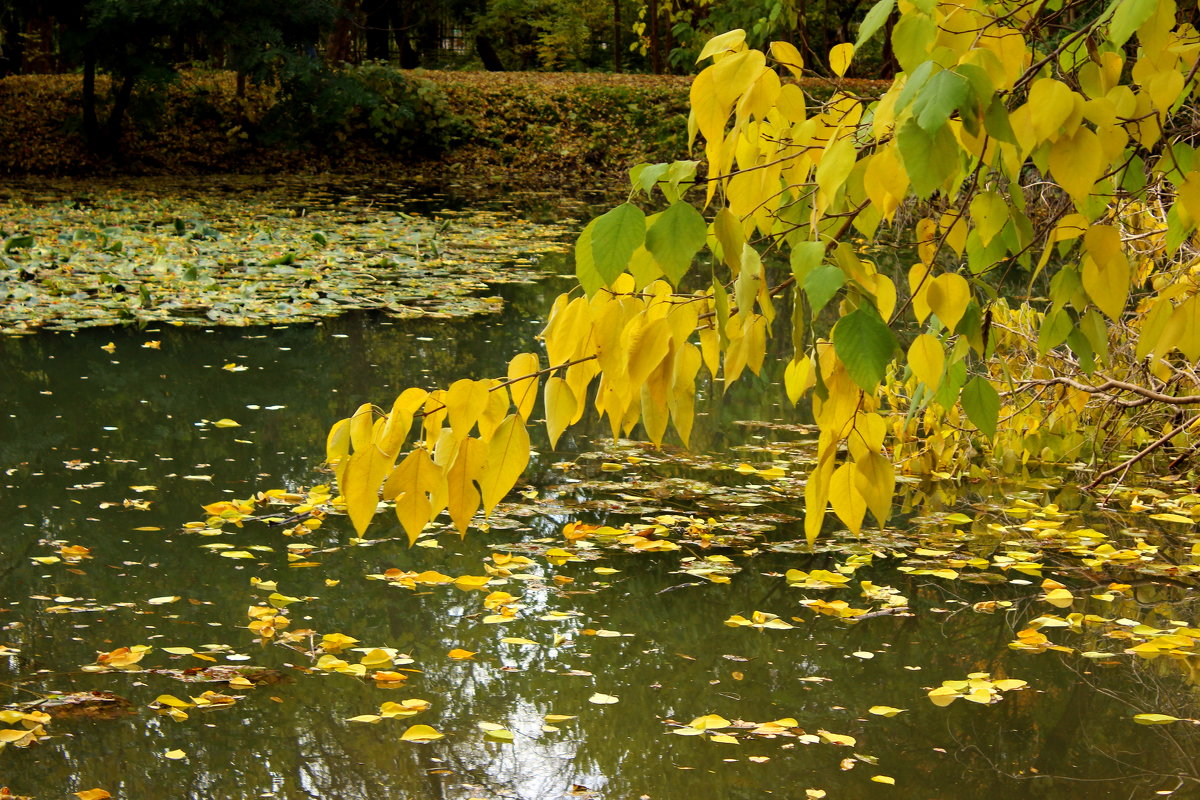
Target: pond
(689, 644)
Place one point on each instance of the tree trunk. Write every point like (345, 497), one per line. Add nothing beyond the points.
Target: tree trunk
(487, 54)
(617, 47)
(656, 64)
(377, 22)
(116, 115)
(91, 125)
(337, 51)
(410, 57)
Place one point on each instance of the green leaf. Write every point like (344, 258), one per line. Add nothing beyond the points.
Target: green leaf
(929, 158)
(644, 176)
(945, 93)
(873, 21)
(675, 238)
(17, 242)
(1056, 327)
(912, 39)
(956, 376)
(981, 401)
(585, 265)
(805, 258)
(821, 284)
(865, 345)
(1128, 17)
(912, 87)
(614, 238)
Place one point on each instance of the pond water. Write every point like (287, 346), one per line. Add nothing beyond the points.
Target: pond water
(109, 444)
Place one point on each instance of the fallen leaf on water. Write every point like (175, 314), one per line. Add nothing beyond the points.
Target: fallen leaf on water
(92, 794)
(175, 755)
(420, 733)
(884, 779)
(885, 711)
(603, 699)
(1154, 719)
(461, 655)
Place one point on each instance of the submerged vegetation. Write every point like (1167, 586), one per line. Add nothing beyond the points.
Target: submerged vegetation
(255, 258)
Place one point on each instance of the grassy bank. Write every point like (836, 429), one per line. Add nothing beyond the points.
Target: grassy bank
(527, 129)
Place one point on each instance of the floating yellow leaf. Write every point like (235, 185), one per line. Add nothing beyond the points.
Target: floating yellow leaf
(885, 711)
(92, 794)
(370, 718)
(837, 738)
(420, 733)
(461, 655)
(884, 779)
(603, 699)
(175, 755)
(1154, 719)
(226, 422)
(709, 722)
(471, 582)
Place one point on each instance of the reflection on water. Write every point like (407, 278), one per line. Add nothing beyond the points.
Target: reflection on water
(83, 426)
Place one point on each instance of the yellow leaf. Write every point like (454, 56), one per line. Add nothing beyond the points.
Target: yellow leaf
(1154, 719)
(837, 738)
(561, 406)
(847, 501)
(798, 378)
(420, 733)
(927, 359)
(414, 483)
(1059, 598)
(172, 701)
(948, 296)
(498, 734)
(603, 699)
(524, 386)
(723, 738)
(884, 779)
(840, 57)
(92, 794)
(462, 497)
(885, 711)
(459, 654)
(709, 722)
(175, 755)
(787, 54)
(1076, 162)
(226, 422)
(472, 582)
(730, 40)
(943, 696)
(507, 457)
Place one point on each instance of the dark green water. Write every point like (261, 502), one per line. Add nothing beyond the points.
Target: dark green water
(133, 417)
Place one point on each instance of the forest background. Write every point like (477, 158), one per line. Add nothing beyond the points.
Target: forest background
(482, 90)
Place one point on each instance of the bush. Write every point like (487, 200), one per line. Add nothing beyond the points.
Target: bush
(372, 103)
